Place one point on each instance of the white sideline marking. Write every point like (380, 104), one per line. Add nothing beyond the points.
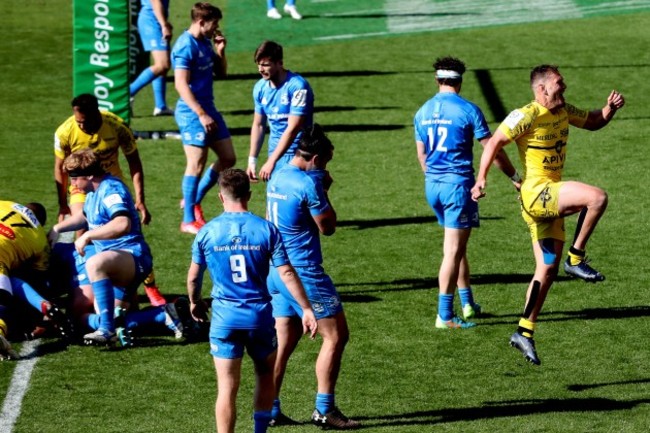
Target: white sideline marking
(412, 16)
(18, 386)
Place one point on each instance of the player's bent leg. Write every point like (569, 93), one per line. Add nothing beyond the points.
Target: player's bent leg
(225, 153)
(118, 266)
(228, 379)
(574, 197)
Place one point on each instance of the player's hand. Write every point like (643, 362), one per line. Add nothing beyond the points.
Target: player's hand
(145, 216)
(63, 212)
(81, 242)
(615, 100)
(199, 311)
(251, 172)
(52, 236)
(265, 171)
(478, 190)
(167, 31)
(208, 123)
(219, 42)
(309, 323)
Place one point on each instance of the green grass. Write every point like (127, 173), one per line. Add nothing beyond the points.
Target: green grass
(399, 374)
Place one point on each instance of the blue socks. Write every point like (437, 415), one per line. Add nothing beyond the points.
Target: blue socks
(189, 187)
(261, 419)
(25, 292)
(209, 179)
(445, 306)
(145, 317)
(132, 320)
(466, 296)
(145, 77)
(276, 408)
(93, 321)
(105, 298)
(159, 86)
(324, 403)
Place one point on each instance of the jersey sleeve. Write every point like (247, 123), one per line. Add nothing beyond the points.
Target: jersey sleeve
(577, 116)
(126, 139)
(315, 196)
(481, 129)
(182, 54)
(417, 129)
(61, 142)
(516, 124)
(257, 97)
(115, 201)
(198, 256)
(302, 98)
(279, 255)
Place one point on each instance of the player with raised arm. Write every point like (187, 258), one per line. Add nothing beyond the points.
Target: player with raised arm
(298, 204)
(238, 248)
(285, 100)
(541, 131)
(199, 55)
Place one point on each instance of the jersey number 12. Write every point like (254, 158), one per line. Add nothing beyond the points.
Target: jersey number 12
(442, 136)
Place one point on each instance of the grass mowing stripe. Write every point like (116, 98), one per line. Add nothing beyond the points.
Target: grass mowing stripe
(18, 386)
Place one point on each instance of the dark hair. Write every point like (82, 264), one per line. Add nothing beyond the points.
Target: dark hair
(205, 11)
(39, 212)
(542, 71)
(234, 183)
(314, 142)
(85, 103)
(449, 64)
(268, 49)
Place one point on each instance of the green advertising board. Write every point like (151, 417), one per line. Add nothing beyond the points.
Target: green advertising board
(101, 53)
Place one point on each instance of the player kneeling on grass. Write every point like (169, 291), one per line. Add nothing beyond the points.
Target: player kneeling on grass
(122, 259)
(24, 256)
(73, 276)
(238, 248)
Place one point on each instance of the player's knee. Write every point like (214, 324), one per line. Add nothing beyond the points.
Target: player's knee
(549, 255)
(602, 200)
(227, 161)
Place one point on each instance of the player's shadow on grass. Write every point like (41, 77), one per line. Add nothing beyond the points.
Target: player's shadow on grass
(579, 387)
(586, 314)
(317, 109)
(396, 14)
(400, 221)
(316, 74)
(505, 409)
(46, 347)
(430, 283)
(361, 127)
